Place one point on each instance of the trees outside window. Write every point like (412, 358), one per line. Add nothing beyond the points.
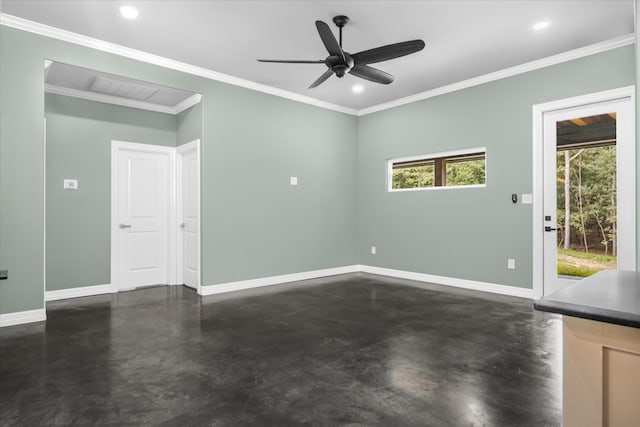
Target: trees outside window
(455, 169)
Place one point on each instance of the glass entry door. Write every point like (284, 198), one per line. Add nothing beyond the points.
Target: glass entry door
(586, 229)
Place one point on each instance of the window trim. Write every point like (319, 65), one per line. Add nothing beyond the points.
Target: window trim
(433, 156)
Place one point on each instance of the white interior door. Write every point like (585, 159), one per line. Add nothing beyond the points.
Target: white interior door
(611, 126)
(189, 213)
(140, 224)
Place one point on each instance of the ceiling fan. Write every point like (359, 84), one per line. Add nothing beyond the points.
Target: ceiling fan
(340, 62)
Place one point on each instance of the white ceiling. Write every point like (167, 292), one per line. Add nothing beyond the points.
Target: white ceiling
(464, 38)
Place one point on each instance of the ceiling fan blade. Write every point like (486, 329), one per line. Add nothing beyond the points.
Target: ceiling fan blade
(390, 51)
(291, 61)
(322, 78)
(372, 74)
(329, 40)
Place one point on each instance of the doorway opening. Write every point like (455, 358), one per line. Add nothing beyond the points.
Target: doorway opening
(584, 188)
(155, 215)
(85, 110)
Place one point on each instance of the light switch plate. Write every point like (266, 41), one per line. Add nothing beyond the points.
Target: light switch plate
(527, 199)
(511, 264)
(293, 180)
(70, 184)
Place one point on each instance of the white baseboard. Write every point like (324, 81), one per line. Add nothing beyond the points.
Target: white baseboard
(39, 315)
(83, 291)
(275, 280)
(21, 317)
(420, 277)
(451, 281)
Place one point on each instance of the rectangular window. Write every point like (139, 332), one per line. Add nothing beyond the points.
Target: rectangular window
(453, 169)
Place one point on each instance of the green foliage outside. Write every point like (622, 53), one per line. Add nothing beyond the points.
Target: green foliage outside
(415, 177)
(599, 258)
(582, 264)
(587, 244)
(466, 173)
(458, 173)
(575, 271)
(592, 199)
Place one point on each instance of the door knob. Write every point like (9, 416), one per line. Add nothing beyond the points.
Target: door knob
(182, 225)
(548, 228)
(125, 225)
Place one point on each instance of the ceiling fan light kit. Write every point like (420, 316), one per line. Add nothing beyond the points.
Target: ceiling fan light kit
(340, 62)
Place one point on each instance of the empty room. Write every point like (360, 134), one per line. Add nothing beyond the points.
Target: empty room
(288, 212)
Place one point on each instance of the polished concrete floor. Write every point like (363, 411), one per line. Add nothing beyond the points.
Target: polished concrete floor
(349, 350)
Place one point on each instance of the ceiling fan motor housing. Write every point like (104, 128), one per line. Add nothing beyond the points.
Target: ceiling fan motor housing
(339, 66)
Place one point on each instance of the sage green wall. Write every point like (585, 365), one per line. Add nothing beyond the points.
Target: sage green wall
(79, 135)
(189, 124)
(253, 223)
(21, 174)
(468, 233)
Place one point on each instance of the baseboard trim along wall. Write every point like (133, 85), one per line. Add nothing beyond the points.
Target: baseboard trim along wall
(275, 280)
(401, 274)
(83, 291)
(451, 281)
(20, 317)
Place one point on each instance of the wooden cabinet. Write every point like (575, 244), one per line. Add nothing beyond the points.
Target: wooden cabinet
(601, 374)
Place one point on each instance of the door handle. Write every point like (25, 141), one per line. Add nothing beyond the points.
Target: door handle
(548, 228)
(125, 226)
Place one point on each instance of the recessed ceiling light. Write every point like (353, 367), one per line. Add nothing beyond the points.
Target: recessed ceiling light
(357, 88)
(541, 25)
(129, 12)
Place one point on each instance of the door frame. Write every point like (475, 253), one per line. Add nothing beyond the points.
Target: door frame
(180, 244)
(539, 110)
(116, 148)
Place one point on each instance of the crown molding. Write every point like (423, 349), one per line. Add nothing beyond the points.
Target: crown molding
(70, 37)
(99, 97)
(507, 72)
(187, 103)
(124, 102)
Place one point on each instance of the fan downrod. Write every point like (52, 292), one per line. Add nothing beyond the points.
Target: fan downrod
(340, 21)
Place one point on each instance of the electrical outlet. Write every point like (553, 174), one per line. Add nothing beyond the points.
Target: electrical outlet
(511, 264)
(373, 250)
(293, 180)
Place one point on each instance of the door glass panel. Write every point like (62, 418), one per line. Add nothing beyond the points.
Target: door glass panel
(586, 195)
